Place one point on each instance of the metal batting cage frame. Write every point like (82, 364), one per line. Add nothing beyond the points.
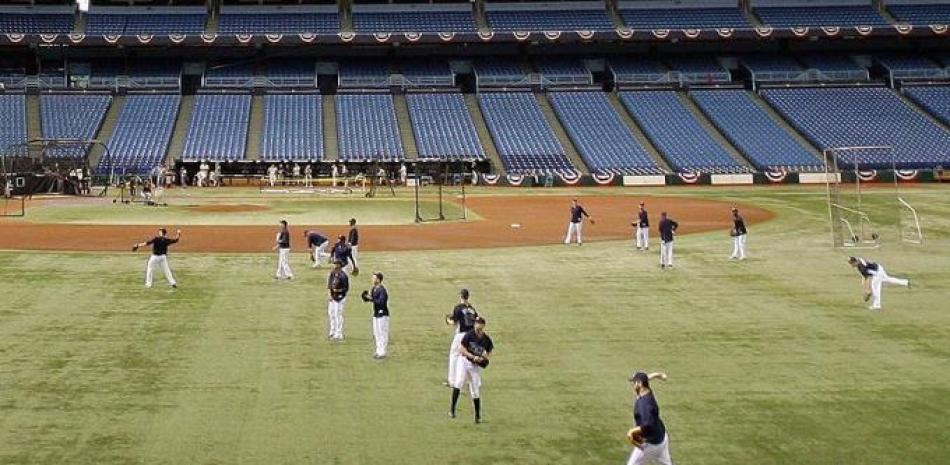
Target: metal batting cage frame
(436, 187)
(57, 159)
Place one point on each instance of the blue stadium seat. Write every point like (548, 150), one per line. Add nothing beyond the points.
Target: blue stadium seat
(229, 75)
(550, 20)
(600, 135)
(427, 73)
(638, 69)
(72, 116)
(863, 117)
(772, 67)
(815, 16)
(564, 70)
(363, 73)
(936, 100)
(12, 120)
(525, 141)
(367, 128)
(909, 66)
(293, 127)
(921, 15)
(155, 73)
(218, 128)
(677, 134)
(293, 72)
(36, 23)
(145, 23)
(684, 18)
(278, 23)
(140, 140)
(414, 21)
(443, 127)
(499, 71)
(764, 142)
(699, 68)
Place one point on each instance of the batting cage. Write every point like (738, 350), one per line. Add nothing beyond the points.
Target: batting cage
(863, 208)
(54, 166)
(440, 191)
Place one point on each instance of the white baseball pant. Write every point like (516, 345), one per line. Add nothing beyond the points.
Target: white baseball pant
(283, 264)
(335, 314)
(454, 357)
(878, 279)
(738, 247)
(319, 251)
(381, 334)
(156, 261)
(666, 253)
(643, 238)
(652, 453)
(471, 373)
(574, 229)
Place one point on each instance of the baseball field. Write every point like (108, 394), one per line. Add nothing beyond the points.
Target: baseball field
(773, 360)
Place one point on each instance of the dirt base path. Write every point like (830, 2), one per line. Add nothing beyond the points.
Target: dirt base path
(541, 219)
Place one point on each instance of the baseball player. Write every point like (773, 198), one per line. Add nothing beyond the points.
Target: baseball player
(577, 223)
(295, 173)
(642, 229)
(338, 284)
(342, 253)
(308, 175)
(353, 239)
(738, 234)
(183, 177)
(463, 319)
(476, 348)
(379, 296)
(649, 433)
(159, 256)
(334, 172)
(282, 247)
(667, 229)
(873, 278)
(403, 174)
(317, 244)
(272, 175)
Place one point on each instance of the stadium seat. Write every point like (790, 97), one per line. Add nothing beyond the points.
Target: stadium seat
(550, 19)
(218, 128)
(921, 15)
(816, 16)
(600, 135)
(145, 22)
(367, 128)
(525, 141)
(564, 70)
(443, 127)
(699, 68)
(293, 127)
(363, 73)
(12, 119)
(142, 132)
(499, 71)
(936, 100)
(278, 23)
(72, 116)
(413, 21)
(683, 18)
(36, 23)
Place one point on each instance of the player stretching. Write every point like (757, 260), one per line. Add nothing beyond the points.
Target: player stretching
(317, 243)
(643, 229)
(475, 349)
(463, 318)
(159, 256)
(380, 299)
(649, 433)
(667, 231)
(338, 284)
(873, 277)
(738, 234)
(353, 239)
(283, 252)
(577, 223)
(342, 253)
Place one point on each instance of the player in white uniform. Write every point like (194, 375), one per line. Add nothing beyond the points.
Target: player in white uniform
(272, 175)
(873, 278)
(282, 247)
(738, 234)
(475, 350)
(308, 175)
(379, 296)
(463, 319)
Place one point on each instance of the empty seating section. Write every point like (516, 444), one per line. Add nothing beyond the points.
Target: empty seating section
(297, 72)
(638, 69)
(522, 136)
(815, 16)
(229, 75)
(218, 129)
(12, 77)
(427, 72)
(12, 120)
(293, 128)
(747, 125)
(145, 23)
(936, 100)
(549, 19)
(772, 67)
(601, 137)
(831, 62)
(279, 23)
(699, 68)
(908, 66)
(921, 14)
(155, 73)
(363, 73)
(36, 23)
(443, 127)
(142, 133)
(499, 71)
(367, 128)
(563, 70)
(414, 21)
(677, 134)
(863, 117)
(72, 117)
(684, 18)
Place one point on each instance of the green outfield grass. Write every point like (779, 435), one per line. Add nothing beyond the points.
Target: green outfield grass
(771, 361)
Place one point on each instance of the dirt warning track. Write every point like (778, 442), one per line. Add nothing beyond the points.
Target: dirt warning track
(507, 222)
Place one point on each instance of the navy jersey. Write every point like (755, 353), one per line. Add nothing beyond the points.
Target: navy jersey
(380, 299)
(667, 227)
(464, 316)
(283, 239)
(160, 244)
(646, 415)
(643, 220)
(866, 268)
(738, 225)
(315, 239)
(477, 345)
(353, 237)
(342, 253)
(577, 212)
(338, 284)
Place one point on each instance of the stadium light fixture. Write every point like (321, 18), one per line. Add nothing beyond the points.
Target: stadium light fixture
(83, 5)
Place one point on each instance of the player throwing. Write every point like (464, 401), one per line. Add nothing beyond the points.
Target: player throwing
(873, 278)
(652, 444)
(463, 318)
(576, 225)
(476, 348)
(159, 256)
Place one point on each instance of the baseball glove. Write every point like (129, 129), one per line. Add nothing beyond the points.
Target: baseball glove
(311, 257)
(481, 361)
(356, 271)
(635, 437)
(733, 233)
(365, 296)
(135, 248)
(593, 222)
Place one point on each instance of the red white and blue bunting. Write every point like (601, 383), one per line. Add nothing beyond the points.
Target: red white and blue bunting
(521, 36)
(48, 38)
(939, 29)
(515, 179)
(177, 38)
(347, 36)
(776, 176)
(274, 38)
(244, 38)
(144, 38)
(486, 35)
(831, 31)
(585, 35)
(625, 33)
(864, 30)
(906, 175)
(211, 38)
(570, 178)
(446, 36)
(491, 179)
(307, 37)
(15, 38)
(867, 175)
(725, 32)
(904, 29)
(112, 39)
(692, 33)
(604, 179)
(552, 35)
(800, 31)
(689, 178)
(382, 37)
(763, 31)
(661, 33)
(77, 38)
(413, 36)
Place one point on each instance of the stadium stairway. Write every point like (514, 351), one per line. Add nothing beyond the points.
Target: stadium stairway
(255, 130)
(484, 136)
(919, 109)
(80, 26)
(214, 18)
(405, 127)
(331, 149)
(478, 13)
(690, 104)
(551, 116)
(638, 134)
(613, 12)
(882, 10)
(746, 7)
(176, 148)
(784, 124)
(107, 127)
(34, 119)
